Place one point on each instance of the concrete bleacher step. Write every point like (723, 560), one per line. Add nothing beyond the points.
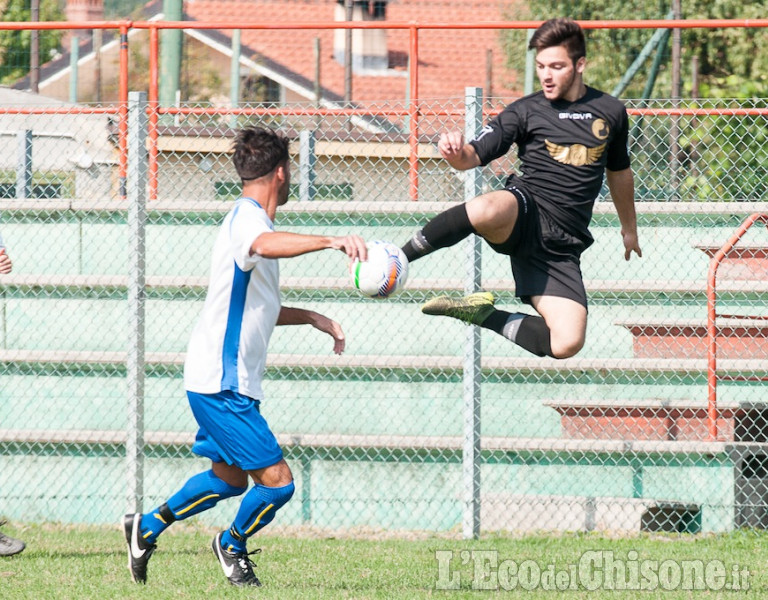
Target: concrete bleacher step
(33, 285)
(499, 510)
(75, 361)
(349, 445)
(737, 338)
(660, 419)
(530, 513)
(744, 261)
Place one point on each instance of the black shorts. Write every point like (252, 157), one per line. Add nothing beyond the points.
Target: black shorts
(545, 259)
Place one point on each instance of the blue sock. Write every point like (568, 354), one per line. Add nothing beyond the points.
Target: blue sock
(199, 493)
(257, 510)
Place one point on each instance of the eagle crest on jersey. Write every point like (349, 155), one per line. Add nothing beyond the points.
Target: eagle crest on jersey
(576, 155)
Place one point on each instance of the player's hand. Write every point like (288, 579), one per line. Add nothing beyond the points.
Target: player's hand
(631, 245)
(333, 329)
(353, 245)
(5, 262)
(451, 145)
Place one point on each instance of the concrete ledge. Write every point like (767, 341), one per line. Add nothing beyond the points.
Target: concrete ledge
(743, 261)
(756, 369)
(529, 513)
(659, 419)
(737, 338)
(184, 282)
(739, 251)
(578, 447)
(603, 207)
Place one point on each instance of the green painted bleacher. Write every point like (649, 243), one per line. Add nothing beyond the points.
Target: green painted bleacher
(390, 408)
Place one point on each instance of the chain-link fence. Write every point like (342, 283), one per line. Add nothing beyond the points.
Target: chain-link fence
(424, 423)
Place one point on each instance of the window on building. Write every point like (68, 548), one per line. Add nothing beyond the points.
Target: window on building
(379, 10)
(262, 90)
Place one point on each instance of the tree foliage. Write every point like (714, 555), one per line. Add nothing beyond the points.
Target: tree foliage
(718, 157)
(15, 46)
(731, 60)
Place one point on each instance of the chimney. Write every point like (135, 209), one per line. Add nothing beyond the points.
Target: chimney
(369, 46)
(78, 11)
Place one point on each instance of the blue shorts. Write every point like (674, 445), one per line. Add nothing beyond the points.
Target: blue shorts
(233, 431)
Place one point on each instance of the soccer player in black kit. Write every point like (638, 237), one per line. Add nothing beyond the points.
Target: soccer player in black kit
(568, 135)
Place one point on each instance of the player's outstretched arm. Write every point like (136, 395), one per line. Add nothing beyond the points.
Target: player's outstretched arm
(5, 262)
(284, 244)
(300, 316)
(622, 187)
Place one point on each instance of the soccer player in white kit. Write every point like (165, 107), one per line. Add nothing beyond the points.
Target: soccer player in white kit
(225, 364)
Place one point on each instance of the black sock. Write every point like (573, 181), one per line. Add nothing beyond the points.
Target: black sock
(166, 513)
(446, 229)
(529, 332)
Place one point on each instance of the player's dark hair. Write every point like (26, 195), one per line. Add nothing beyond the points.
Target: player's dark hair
(258, 152)
(560, 32)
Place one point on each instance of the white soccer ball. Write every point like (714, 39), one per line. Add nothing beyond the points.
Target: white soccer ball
(383, 274)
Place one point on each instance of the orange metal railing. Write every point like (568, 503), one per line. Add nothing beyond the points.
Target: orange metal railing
(714, 265)
(414, 110)
(123, 121)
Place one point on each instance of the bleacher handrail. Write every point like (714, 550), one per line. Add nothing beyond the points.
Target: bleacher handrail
(714, 265)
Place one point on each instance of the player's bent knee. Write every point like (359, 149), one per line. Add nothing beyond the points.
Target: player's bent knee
(277, 475)
(263, 503)
(278, 496)
(486, 211)
(566, 348)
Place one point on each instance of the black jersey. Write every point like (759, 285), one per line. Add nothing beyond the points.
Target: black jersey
(564, 148)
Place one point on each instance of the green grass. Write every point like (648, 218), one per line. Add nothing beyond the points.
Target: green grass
(84, 563)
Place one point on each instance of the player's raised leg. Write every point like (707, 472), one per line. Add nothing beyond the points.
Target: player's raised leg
(559, 332)
(491, 216)
(273, 489)
(566, 320)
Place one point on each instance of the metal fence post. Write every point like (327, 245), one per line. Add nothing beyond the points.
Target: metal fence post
(24, 164)
(472, 371)
(74, 58)
(137, 217)
(307, 160)
(530, 64)
(234, 75)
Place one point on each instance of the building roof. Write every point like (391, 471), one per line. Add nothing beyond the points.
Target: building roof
(449, 59)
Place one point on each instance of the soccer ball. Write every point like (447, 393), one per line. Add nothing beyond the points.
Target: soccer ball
(383, 274)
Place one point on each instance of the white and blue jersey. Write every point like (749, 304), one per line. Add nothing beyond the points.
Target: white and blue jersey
(228, 346)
